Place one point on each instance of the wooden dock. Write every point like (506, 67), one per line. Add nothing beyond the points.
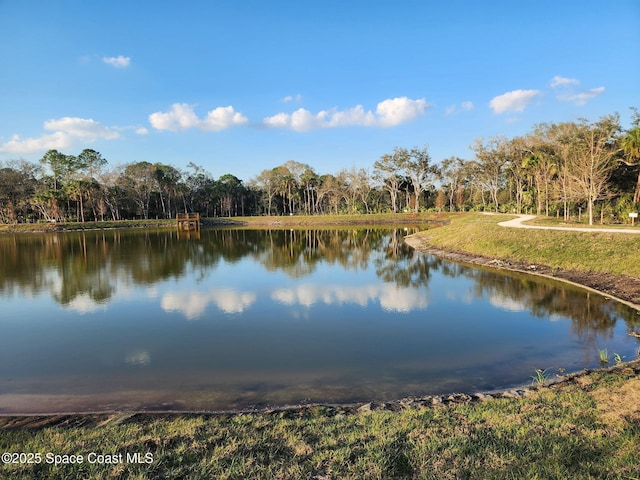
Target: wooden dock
(188, 221)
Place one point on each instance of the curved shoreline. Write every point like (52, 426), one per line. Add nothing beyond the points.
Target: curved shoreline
(617, 287)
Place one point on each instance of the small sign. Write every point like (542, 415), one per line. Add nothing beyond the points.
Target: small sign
(633, 215)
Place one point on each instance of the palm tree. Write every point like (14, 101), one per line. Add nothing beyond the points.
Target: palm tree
(631, 146)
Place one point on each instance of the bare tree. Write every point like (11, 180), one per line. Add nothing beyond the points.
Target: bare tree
(595, 147)
(112, 192)
(303, 181)
(358, 186)
(266, 182)
(419, 170)
(387, 173)
(452, 173)
(492, 160)
(332, 191)
(140, 181)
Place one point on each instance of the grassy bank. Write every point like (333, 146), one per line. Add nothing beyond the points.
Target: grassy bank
(614, 253)
(589, 428)
(559, 222)
(78, 226)
(355, 219)
(242, 222)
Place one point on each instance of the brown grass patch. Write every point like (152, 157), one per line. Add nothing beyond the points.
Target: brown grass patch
(620, 404)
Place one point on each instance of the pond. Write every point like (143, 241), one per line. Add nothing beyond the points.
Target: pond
(226, 319)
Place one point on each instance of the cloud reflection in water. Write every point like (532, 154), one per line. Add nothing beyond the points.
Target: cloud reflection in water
(193, 304)
(390, 297)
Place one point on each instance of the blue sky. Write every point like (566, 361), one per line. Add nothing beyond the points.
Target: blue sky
(241, 86)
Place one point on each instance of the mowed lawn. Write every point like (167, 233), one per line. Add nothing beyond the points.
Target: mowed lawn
(616, 253)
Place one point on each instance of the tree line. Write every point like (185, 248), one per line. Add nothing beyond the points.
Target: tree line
(569, 170)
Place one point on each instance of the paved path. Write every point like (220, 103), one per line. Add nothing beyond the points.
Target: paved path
(517, 223)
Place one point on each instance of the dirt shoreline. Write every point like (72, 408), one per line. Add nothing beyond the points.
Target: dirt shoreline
(629, 370)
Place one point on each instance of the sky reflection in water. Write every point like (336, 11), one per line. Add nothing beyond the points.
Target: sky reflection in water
(235, 319)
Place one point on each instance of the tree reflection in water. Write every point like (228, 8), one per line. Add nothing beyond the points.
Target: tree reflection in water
(94, 264)
(235, 316)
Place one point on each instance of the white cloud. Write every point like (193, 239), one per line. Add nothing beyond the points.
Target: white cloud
(182, 117)
(65, 131)
(464, 107)
(559, 81)
(279, 120)
(515, 101)
(351, 116)
(400, 110)
(582, 97)
(567, 93)
(81, 128)
(221, 118)
(291, 98)
(142, 131)
(55, 141)
(117, 62)
(302, 119)
(388, 113)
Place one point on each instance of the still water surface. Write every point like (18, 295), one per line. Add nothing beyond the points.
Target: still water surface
(235, 319)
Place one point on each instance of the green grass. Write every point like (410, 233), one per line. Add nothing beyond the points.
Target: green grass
(74, 226)
(559, 222)
(554, 433)
(243, 222)
(614, 253)
(540, 376)
(329, 220)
